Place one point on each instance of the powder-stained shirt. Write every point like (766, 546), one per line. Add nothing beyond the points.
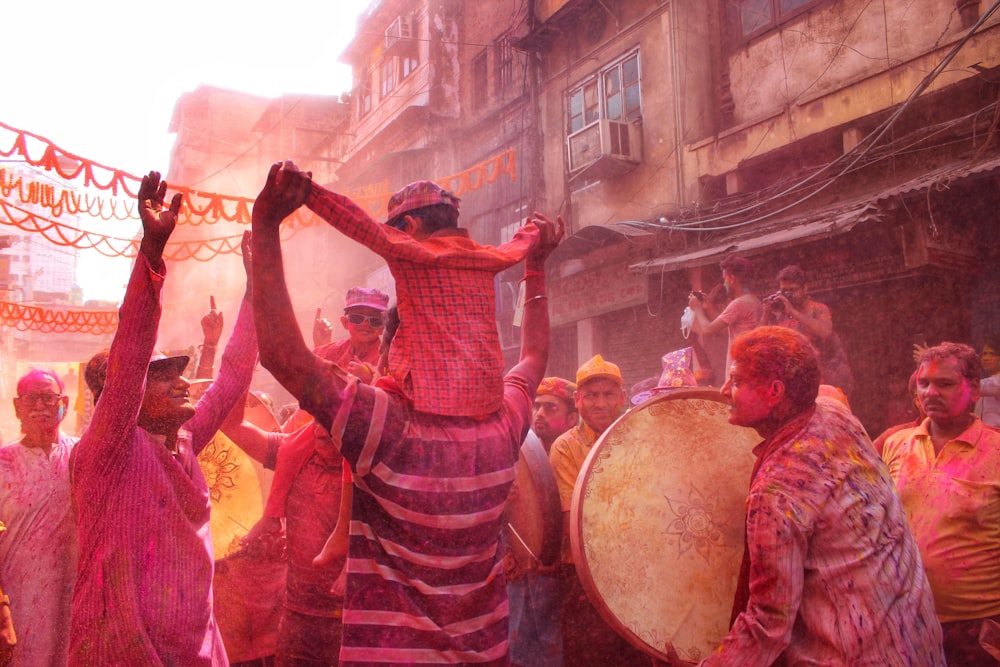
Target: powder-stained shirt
(38, 549)
(144, 588)
(296, 451)
(425, 578)
(567, 454)
(953, 502)
(446, 353)
(835, 574)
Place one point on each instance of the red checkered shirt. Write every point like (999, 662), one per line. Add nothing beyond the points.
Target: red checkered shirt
(446, 353)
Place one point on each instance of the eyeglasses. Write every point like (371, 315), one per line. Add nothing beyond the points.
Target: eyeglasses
(46, 399)
(375, 321)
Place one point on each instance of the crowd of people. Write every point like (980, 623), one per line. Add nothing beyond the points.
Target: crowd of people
(392, 477)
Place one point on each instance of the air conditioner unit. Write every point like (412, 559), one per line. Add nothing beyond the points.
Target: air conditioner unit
(608, 147)
(400, 31)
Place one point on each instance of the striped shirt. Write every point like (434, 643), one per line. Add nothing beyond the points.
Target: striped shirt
(144, 585)
(446, 353)
(426, 583)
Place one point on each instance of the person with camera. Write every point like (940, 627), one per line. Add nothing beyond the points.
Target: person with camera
(793, 308)
(742, 312)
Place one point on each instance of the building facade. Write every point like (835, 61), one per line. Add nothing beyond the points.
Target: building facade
(855, 139)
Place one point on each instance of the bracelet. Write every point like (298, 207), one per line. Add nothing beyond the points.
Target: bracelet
(210, 346)
(536, 298)
(528, 273)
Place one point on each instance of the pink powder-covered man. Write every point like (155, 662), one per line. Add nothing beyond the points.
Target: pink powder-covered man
(144, 585)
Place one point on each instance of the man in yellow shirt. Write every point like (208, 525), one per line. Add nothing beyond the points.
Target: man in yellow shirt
(947, 472)
(600, 400)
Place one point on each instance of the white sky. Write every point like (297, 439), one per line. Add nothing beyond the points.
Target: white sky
(100, 78)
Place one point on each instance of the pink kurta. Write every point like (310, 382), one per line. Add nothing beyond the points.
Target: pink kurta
(144, 585)
(38, 549)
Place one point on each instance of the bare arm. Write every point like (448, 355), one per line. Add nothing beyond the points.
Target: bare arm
(283, 351)
(535, 327)
(702, 323)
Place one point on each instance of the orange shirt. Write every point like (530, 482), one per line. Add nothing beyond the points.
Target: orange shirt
(953, 505)
(567, 455)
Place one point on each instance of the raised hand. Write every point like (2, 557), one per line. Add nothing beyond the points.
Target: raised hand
(550, 234)
(285, 189)
(322, 330)
(211, 324)
(157, 224)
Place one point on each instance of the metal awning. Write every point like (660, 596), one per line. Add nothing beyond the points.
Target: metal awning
(818, 224)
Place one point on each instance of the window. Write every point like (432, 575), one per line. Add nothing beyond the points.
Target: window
(613, 94)
(365, 98)
(504, 62)
(753, 17)
(408, 64)
(388, 77)
(480, 82)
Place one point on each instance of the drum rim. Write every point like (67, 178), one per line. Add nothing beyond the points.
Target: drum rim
(544, 480)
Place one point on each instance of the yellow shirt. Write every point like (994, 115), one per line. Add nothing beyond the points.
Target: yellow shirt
(953, 504)
(567, 455)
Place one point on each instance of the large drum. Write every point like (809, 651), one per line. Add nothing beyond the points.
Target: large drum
(658, 520)
(532, 516)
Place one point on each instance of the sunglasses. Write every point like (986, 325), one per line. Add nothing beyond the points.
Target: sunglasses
(375, 321)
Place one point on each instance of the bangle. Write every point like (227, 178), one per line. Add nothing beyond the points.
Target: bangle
(531, 273)
(208, 346)
(535, 298)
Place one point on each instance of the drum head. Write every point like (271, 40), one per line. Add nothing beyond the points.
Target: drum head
(235, 492)
(658, 519)
(235, 486)
(532, 519)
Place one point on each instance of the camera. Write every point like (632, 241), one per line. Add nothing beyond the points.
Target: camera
(775, 302)
(698, 294)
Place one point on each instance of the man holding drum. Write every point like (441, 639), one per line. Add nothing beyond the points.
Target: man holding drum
(831, 574)
(600, 400)
(533, 591)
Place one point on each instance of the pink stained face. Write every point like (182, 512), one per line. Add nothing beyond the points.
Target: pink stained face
(41, 406)
(167, 402)
(551, 417)
(944, 393)
(748, 401)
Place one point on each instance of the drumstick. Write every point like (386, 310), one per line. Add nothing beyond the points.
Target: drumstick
(523, 544)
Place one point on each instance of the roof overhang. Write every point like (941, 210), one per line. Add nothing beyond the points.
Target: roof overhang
(817, 224)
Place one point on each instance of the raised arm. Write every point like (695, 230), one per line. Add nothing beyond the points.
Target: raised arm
(118, 407)
(235, 371)
(211, 329)
(535, 325)
(283, 351)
